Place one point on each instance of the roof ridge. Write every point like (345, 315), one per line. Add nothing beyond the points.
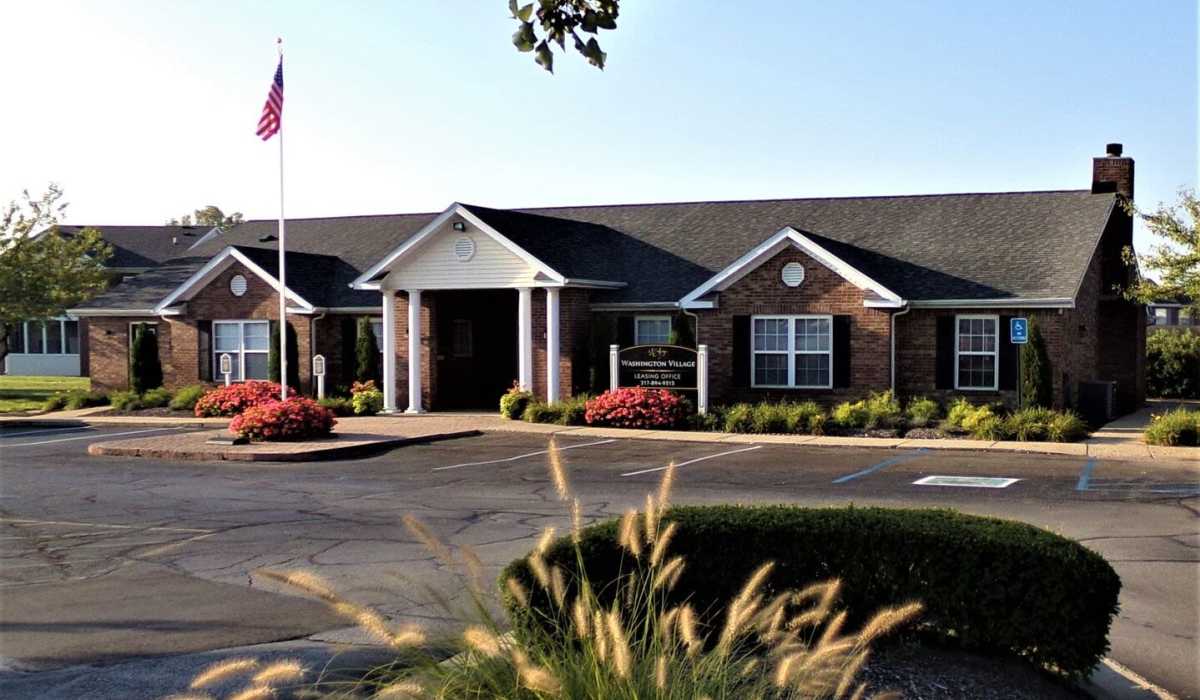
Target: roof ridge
(340, 216)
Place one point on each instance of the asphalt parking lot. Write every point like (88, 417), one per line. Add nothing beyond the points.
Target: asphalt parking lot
(108, 559)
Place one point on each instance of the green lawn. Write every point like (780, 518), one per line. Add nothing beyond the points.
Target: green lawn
(28, 393)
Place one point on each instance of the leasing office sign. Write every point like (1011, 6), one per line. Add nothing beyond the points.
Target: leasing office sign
(657, 367)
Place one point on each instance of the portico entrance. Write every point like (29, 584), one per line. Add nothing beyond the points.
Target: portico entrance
(475, 347)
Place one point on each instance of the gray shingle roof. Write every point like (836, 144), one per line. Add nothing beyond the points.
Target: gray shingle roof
(144, 246)
(147, 289)
(953, 246)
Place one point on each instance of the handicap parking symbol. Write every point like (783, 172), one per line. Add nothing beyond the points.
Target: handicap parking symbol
(1019, 330)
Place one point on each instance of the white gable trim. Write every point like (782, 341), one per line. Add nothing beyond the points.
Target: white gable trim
(784, 238)
(364, 280)
(218, 264)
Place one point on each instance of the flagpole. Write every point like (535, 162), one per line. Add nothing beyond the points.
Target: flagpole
(283, 363)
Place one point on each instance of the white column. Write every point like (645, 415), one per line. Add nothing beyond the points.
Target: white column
(414, 352)
(552, 344)
(525, 338)
(389, 351)
(702, 379)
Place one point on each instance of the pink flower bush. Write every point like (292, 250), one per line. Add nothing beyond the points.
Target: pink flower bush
(294, 419)
(636, 408)
(235, 398)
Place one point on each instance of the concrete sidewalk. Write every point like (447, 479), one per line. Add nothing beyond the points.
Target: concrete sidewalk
(1120, 440)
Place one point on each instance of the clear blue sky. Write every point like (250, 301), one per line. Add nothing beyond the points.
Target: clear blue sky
(145, 110)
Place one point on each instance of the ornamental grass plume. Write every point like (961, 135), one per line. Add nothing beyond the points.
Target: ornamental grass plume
(635, 636)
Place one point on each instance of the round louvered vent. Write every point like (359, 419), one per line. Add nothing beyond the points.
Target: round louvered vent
(464, 249)
(237, 285)
(793, 274)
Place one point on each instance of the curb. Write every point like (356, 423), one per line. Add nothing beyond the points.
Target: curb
(231, 454)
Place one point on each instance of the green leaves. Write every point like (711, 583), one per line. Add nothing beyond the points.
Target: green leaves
(559, 18)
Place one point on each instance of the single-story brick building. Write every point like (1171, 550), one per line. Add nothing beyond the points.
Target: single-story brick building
(804, 298)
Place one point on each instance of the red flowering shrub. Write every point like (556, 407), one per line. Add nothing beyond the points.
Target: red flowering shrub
(636, 408)
(235, 398)
(295, 419)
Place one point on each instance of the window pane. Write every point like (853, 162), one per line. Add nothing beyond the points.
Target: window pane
(256, 365)
(770, 334)
(54, 337)
(16, 337)
(257, 336)
(976, 371)
(36, 341)
(652, 330)
(225, 337)
(377, 331)
(72, 337)
(770, 369)
(812, 334)
(812, 370)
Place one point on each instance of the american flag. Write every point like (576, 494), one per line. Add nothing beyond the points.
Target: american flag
(272, 115)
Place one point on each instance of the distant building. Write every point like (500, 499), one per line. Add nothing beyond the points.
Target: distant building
(1178, 314)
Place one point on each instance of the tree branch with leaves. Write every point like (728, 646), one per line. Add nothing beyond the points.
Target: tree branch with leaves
(1176, 260)
(559, 20)
(210, 216)
(42, 271)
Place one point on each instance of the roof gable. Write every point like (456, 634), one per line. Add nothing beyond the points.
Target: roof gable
(214, 267)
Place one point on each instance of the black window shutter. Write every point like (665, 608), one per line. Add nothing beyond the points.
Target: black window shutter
(204, 355)
(945, 353)
(841, 352)
(1008, 356)
(348, 359)
(741, 351)
(625, 331)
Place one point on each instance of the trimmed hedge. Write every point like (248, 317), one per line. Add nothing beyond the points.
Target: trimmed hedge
(988, 585)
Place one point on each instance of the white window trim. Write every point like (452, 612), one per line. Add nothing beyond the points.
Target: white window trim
(62, 338)
(648, 317)
(995, 352)
(241, 351)
(130, 331)
(791, 351)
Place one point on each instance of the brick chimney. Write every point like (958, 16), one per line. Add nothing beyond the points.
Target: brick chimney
(1113, 172)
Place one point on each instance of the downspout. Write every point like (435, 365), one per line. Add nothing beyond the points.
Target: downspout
(907, 308)
(685, 312)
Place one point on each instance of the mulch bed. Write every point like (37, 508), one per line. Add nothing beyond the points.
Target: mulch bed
(162, 411)
(928, 673)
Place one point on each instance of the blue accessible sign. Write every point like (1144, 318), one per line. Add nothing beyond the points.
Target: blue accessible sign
(1018, 330)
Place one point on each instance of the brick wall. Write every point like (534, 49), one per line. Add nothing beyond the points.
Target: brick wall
(823, 292)
(574, 318)
(428, 349)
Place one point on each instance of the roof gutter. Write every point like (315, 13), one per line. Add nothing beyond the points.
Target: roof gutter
(1017, 302)
(83, 313)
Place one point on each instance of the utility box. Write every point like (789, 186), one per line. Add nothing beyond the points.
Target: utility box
(1097, 402)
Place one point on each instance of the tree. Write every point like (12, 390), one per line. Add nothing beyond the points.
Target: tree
(1177, 261)
(559, 19)
(1037, 381)
(366, 352)
(208, 217)
(42, 272)
(293, 355)
(145, 369)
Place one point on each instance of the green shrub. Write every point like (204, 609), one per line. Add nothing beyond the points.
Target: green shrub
(739, 418)
(542, 412)
(975, 416)
(1037, 383)
(1173, 364)
(769, 417)
(574, 410)
(366, 399)
(923, 412)
(959, 410)
(988, 585)
(851, 415)
(156, 398)
(55, 402)
(1178, 427)
(514, 401)
(125, 400)
(1029, 424)
(78, 398)
(713, 420)
(145, 369)
(817, 423)
(366, 353)
(805, 417)
(1066, 427)
(883, 410)
(185, 399)
(340, 406)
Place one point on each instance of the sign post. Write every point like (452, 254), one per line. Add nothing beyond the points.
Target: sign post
(226, 366)
(1018, 334)
(614, 352)
(319, 373)
(702, 379)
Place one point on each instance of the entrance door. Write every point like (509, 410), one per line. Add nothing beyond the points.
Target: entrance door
(476, 347)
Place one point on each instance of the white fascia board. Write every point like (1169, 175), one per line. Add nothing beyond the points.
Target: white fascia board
(85, 313)
(593, 284)
(431, 228)
(884, 304)
(353, 309)
(1046, 303)
(773, 245)
(212, 233)
(636, 306)
(218, 264)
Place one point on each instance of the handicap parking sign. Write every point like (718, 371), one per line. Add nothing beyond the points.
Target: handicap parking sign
(1018, 330)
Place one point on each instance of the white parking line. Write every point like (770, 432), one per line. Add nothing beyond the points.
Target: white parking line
(524, 456)
(693, 461)
(77, 429)
(92, 435)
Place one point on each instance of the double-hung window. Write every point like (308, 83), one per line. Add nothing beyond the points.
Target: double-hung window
(794, 352)
(651, 330)
(51, 337)
(977, 352)
(247, 344)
